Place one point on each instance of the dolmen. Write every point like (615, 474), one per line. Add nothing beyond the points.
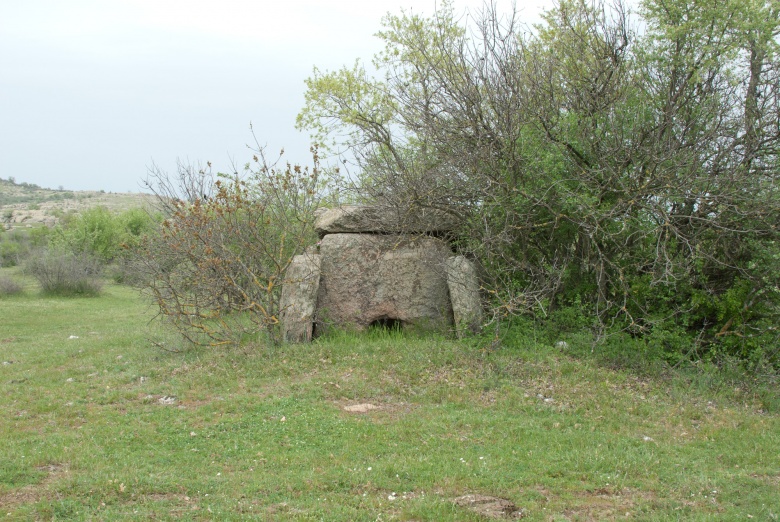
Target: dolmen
(380, 267)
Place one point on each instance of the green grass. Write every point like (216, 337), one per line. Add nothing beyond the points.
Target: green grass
(263, 434)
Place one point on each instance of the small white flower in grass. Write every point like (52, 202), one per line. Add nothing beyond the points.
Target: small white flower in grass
(369, 468)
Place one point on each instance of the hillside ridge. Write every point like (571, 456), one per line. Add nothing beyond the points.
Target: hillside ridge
(27, 205)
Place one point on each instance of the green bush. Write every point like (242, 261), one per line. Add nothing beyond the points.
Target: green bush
(640, 194)
(102, 234)
(65, 273)
(39, 236)
(9, 253)
(94, 232)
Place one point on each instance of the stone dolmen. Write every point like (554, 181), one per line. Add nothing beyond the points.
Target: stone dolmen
(376, 266)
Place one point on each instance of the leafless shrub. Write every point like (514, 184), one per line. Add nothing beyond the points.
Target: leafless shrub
(9, 286)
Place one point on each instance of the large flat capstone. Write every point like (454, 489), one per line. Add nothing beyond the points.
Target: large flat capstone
(390, 279)
(358, 219)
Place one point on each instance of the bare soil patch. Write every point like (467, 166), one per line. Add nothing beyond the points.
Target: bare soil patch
(490, 507)
(33, 493)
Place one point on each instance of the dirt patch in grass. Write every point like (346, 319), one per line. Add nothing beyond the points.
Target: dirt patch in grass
(33, 493)
(605, 504)
(377, 411)
(490, 507)
(360, 408)
(177, 498)
(771, 479)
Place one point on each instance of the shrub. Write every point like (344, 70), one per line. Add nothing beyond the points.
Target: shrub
(102, 234)
(630, 173)
(217, 265)
(94, 232)
(9, 253)
(9, 287)
(64, 273)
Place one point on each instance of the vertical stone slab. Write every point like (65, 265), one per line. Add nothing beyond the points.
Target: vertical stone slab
(299, 298)
(464, 294)
(369, 278)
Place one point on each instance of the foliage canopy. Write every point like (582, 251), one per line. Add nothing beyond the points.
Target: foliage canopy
(632, 174)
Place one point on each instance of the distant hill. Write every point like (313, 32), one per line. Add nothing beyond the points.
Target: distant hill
(28, 205)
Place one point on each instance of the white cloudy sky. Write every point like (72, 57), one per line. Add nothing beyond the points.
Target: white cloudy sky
(93, 92)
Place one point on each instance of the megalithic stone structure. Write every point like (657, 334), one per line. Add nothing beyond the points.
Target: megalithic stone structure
(377, 266)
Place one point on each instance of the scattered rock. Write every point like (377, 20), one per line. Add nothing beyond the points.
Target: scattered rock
(490, 507)
(360, 408)
(73, 337)
(167, 400)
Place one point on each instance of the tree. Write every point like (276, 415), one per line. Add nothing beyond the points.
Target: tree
(634, 174)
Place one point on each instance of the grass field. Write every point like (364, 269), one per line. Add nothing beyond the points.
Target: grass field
(98, 423)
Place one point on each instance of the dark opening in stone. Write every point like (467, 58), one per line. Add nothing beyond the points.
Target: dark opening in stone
(386, 323)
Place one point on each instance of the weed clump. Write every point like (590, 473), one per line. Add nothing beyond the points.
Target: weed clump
(65, 273)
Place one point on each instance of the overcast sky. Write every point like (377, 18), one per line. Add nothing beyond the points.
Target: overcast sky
(93, 92)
